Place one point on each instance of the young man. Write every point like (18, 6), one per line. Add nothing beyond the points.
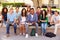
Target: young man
(56, 20)
(18, 14)
(11, 20)
(32, 20)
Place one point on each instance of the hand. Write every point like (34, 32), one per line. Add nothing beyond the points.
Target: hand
(12, 23)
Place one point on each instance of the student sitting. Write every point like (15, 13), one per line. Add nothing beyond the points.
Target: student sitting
(23, 21)
(32, 20)
(11, 20)
(43, 21)
(56, 20)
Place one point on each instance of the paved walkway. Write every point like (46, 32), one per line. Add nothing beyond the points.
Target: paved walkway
(18, 37)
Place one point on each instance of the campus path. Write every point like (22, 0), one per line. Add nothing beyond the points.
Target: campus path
(18, 37)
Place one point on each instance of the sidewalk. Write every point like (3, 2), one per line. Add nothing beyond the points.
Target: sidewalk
(18, 37)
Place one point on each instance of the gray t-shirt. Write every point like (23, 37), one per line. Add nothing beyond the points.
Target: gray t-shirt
(56, 18)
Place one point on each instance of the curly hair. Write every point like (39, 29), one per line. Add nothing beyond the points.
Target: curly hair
(3, 10)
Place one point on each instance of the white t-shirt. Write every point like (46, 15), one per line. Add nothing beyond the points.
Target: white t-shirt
(23, 20)
(49, 15)
(56, 18)
(1, 17)
(32, 16)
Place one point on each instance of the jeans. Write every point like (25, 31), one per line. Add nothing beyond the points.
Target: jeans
(8, 27)
(26, 26)
(43, 26)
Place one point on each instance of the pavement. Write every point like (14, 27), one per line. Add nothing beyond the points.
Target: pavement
(18, 37)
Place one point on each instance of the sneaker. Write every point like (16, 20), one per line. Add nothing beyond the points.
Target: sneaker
(36, 34)
(26, 36)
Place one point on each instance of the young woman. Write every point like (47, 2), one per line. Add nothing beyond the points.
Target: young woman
(44, 21)
(4, 14)
(23, 21)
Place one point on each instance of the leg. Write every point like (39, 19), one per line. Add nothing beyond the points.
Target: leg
(15, 27)
(36, 34)
(7, 28)
(45, 25)
(21, 29)
(56, 27)
(36, 28)
(23, 26)
(42, 26)
(26, 26)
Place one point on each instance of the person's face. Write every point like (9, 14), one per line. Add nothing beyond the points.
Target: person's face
(5, 10)
(23, 12)
(56, 13)
(32, 11)
(38, 9)
(11, 11)
(17, 9)
(49, 8)
(43, 12)
(28, 9)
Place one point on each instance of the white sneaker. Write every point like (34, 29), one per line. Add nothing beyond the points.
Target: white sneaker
(36, 34)
(26, 36)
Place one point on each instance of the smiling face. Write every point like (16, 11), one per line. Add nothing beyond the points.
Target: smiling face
(56, 13)
(38, 10)
(17, 9)
(11, 10)
(32, 11)
(23, 13)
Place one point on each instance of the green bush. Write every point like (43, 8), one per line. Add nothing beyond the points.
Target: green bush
(13, 4)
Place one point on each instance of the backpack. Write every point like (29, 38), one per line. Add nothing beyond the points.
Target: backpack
(33, 32)
(50, 34)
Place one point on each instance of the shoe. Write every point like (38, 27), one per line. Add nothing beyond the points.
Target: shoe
(36, 34)
(26, 36)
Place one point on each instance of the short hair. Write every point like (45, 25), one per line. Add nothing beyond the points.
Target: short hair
(32, 9)
(17, 7)
(56, 11)
(38, 7)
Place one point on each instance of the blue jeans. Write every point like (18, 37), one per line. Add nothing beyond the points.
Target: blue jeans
(43, 26)
(8, 27)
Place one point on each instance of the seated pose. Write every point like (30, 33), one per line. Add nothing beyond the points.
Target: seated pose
(11, 20)
(1, 19)
(18, 14)
(43, 21)
(23, 21)
(55, 20)
(32, 20)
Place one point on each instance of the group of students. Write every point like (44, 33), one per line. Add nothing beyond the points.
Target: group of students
(28, 17)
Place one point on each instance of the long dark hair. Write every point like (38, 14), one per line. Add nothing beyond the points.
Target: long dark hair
(3, 10)
(25, 12)
(45, 13)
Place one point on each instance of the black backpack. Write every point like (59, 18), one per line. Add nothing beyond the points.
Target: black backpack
(33, 32)
(50, 34)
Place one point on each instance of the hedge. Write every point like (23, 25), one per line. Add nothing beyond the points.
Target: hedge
(13, 4)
